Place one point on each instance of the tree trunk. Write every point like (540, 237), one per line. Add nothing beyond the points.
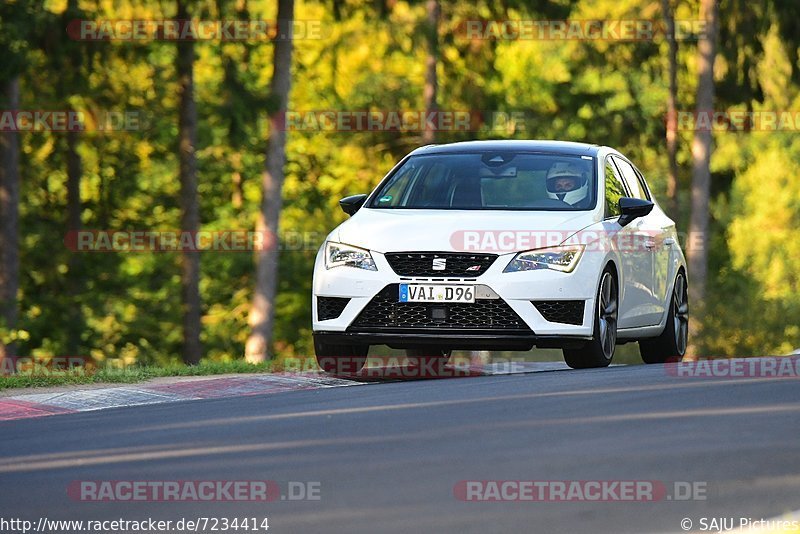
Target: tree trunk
(701, 175)
(74, 82)
(9, 225)
(262, 310)
(672, 117)
(431, 81)
(190, 211)
(74, 172)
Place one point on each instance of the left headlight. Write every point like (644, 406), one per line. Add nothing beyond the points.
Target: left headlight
(340, 255)
(562, 259)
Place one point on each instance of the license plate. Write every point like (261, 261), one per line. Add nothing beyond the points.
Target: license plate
(436, 293)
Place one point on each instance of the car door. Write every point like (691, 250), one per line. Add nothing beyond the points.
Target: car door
(634, 300)
(648, 234)
(666, 244)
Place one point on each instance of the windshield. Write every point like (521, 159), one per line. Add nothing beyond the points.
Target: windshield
(500, 180)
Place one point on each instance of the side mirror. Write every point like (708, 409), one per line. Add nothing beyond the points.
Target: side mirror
(351, 204)
(633, 208)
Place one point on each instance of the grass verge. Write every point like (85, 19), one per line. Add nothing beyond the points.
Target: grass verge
(43, 377)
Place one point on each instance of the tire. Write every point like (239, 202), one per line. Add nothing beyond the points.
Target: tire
(340, 360)
(600, 350)
(672, 342)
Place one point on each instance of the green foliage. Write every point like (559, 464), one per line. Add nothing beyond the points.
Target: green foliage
(370, 56)
(42, 376)
(755, 294)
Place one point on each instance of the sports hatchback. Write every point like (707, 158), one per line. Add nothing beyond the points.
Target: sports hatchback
(502, 245)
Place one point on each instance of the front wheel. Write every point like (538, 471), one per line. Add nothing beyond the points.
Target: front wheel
(340, 360)
(673, 340)
(599, 351)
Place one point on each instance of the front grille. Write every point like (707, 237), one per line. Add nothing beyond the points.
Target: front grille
(385, 312)
(330, 307)
(561, 311)
(456, 263)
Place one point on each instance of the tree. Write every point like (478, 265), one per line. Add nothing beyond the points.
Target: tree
(262, 310)
(371, 54)
(17, 24)
(69, 60)
(238, 104)
(672, 118)
(9, 222)
(701, 159)
(190, 210)
(431, 62)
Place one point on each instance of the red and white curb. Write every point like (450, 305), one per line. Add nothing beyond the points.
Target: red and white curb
(84, 400)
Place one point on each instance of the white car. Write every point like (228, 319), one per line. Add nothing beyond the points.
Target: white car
(502, 245)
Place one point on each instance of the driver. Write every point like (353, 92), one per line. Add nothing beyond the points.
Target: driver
(567, 183)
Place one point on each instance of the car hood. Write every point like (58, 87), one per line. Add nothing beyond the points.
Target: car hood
(396, 230)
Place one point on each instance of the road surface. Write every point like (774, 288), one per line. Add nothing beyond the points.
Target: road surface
(389, 457)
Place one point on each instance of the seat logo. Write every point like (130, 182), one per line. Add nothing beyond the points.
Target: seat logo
(439, 264)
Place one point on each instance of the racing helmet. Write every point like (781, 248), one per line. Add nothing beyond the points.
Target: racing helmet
(567, 182)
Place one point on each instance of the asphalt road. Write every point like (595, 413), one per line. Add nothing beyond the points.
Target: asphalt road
(387, 456)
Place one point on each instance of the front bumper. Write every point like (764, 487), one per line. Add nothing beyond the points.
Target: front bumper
(473, 340)
(517, 291)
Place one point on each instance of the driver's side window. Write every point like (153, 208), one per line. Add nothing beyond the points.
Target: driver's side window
(614, 190)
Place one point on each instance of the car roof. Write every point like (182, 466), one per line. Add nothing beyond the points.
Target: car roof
(557, 147)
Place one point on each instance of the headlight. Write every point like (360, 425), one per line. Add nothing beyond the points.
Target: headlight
(339, 255)
(562, 259)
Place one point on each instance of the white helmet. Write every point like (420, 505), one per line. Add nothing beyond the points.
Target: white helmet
(567, 182)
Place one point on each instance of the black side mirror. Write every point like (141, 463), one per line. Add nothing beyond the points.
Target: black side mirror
(633, 208)
(351, 204)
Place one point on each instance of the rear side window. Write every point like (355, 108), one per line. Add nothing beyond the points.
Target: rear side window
(643, 183)
(614, 190)
(631, 178)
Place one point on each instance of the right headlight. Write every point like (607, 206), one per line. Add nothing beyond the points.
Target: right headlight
(341, 255)
(563, 258)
